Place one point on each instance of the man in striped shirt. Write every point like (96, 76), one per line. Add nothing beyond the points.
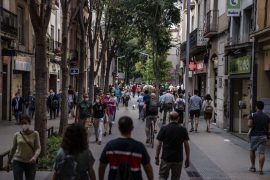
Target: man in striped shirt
(125, 150)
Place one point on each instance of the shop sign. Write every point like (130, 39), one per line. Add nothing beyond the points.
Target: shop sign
(233, 7)
(192, 66)
(200, 67)
(240, 65)
(22, 65)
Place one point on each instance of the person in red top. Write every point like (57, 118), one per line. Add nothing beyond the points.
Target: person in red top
(134, 88)
(110, 111)
(104, 98)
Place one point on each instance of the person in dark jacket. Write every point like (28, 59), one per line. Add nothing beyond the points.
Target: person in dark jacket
(17, 106)
(30, 104)
(52, 104)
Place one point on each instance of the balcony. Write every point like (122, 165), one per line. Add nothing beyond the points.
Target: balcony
(211, 23)
(197, 43)
(8, 23)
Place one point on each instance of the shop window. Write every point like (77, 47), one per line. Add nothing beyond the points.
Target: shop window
(20, 17)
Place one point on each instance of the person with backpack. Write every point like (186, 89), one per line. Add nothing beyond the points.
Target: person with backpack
(151, 114)
(84, 111)
(171, 139)
(25, 151)
(74, 160)
(52, 104)
(208, 109)
(180, 108)
(125, 156)
(126, 98)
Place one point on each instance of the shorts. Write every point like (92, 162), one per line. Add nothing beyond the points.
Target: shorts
(148, 121)
(166, 167)
(195, 113)
(258, 143)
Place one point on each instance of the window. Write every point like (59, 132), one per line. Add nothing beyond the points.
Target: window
(20, 16)
(52, 31)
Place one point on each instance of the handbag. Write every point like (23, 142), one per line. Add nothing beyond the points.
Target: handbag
(33, 149)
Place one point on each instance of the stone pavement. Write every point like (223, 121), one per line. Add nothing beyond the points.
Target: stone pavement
(216, 156)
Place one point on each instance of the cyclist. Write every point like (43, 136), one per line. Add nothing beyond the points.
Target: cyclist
(151, 114)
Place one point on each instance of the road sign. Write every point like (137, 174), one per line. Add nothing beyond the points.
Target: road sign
(74, 71)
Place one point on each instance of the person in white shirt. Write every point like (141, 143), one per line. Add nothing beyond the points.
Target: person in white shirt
(167, 103)
(208, 109)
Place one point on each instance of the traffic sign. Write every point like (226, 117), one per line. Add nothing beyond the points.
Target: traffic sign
(74, 71)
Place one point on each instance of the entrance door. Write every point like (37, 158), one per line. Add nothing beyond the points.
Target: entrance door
(53, 82)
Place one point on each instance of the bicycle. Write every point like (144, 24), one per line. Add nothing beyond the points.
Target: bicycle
(152, 131)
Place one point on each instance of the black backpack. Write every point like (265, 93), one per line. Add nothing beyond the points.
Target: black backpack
(67, 168)
(124, 172)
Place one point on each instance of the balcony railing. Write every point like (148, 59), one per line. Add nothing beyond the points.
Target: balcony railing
(211, 23)
(8, 22)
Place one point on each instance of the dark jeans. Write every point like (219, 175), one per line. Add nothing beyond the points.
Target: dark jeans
(165, 111)
(52, 113)
(28, 169)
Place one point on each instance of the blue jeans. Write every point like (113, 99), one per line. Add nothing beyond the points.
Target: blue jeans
(28, 169)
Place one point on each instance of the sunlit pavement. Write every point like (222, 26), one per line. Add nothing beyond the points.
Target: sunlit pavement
(217, 155)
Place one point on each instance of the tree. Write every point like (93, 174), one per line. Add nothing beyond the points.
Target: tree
(40, 16)
(64, 67)
(147, 72)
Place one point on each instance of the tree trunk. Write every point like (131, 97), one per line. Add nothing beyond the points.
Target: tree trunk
(102, 72)
(41, 75)
(64, 68)
(91, 75)
(40, 17)
(107, 72)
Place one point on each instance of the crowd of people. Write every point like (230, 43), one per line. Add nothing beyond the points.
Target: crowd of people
(125, 155)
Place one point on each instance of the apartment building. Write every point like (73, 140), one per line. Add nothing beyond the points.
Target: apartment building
(54, 34)
(17, 53)
(261, 37)
(198, 46)
(239, 70)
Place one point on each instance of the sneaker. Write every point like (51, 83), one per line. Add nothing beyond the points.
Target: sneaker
(147, 141)
(113, 122)
(105, 134)
(191, 130)
(196, 131)
(252, 169)
(96, 139)
(110, 132)
(99, 143)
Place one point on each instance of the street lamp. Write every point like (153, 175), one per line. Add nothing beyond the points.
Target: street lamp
(145, 54)
(187, 63)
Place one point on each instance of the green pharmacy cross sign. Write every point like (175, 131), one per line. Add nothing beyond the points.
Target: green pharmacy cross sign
(233, 7)
(241, 65)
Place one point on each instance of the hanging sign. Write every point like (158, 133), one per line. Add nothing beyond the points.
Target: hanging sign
(233, 7)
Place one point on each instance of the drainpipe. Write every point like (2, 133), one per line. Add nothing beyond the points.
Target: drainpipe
(1, 70)
(253, 76)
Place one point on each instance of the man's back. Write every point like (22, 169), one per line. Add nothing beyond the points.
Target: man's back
(168, 98)
(125, 150)
(172, 136)
(260, 124)
(195, 102)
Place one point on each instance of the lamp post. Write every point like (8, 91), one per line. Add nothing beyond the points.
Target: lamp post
(187, 65)
(145, 54)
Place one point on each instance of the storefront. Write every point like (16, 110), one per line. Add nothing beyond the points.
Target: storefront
(240, 85)
(21, 81)
(54, 76)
